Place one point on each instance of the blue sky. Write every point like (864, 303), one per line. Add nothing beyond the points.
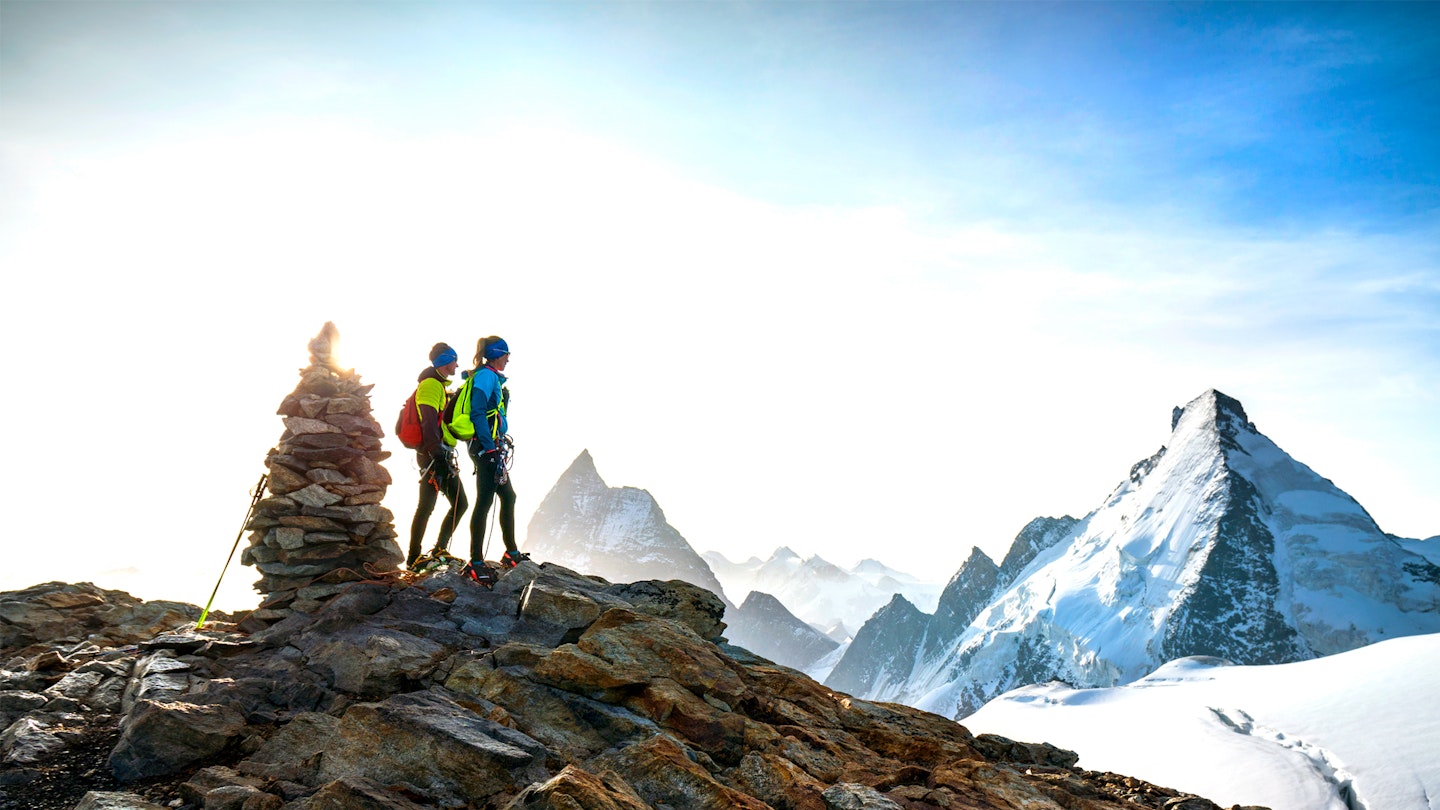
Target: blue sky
(850, 277)
(1255, 114)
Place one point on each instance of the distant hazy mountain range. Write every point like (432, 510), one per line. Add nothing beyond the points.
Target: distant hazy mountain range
(828, 597)
(792, 611)
(1219, 545)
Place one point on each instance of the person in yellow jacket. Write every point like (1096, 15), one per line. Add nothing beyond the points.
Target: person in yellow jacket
(436, 455)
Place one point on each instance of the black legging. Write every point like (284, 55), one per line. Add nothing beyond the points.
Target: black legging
(486, 488)
(441, 477)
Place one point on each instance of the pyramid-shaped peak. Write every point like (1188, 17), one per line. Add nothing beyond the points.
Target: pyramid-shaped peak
(784, 553)
(759, 600)
(1213, 406)
(978, 557)
(582, 470)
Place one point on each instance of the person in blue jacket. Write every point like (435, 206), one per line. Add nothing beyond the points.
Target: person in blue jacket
(490, 450)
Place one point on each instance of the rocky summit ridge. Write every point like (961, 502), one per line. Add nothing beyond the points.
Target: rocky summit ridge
(553, 690)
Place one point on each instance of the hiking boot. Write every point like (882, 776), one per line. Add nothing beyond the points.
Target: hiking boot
(513, 558)
(479, 573)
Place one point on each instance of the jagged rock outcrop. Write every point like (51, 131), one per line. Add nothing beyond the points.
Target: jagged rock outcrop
(1220, 544)
(871, 661)
(762, 625)
(323, 525)
(886, 648)
(552, 690)
(619, 533)
(55, 614)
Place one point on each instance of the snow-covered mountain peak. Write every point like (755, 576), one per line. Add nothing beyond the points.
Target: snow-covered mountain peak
(580, 484)
(818, 566)
(870, 565)
(582, 469)
(881, 575)
(619, 533)
(1219, 544)
(1212, 408)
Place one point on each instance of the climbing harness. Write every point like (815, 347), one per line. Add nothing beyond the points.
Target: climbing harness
(505, 446)
(255, 495)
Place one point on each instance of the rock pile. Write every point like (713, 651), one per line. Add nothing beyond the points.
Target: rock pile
(323, 525)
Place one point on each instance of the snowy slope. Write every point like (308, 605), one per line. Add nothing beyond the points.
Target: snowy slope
(819, 592)
(1428, 548)
(1359, 729)
(821, 668)
(1219, 544)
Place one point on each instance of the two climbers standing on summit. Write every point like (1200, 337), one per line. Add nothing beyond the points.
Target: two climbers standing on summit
(476, 414)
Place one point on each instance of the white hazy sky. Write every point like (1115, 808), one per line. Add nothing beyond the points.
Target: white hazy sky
(881, 280)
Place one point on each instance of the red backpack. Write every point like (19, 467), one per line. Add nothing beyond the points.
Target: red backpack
(407, 427)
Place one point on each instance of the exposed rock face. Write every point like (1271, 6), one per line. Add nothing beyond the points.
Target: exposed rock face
(619, 533)
(57, 613)
(874, 657)
(763, 625)
(323, 525)
(884, 652)
(550, 691)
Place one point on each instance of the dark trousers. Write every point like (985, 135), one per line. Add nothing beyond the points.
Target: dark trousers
(486, 488)
(440, 477)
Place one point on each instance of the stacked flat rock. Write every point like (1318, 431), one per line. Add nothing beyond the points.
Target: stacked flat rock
(323, 526)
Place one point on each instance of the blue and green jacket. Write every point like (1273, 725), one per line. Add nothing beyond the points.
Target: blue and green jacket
(489, 400)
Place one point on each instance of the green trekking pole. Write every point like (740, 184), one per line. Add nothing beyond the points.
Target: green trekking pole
(255, 495)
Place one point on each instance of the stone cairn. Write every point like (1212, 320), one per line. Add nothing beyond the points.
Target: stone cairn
(322, 526)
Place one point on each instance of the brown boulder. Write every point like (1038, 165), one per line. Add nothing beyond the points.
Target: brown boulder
(778, 782)
(576, 789)
(691, 605)
(536, 710)
(164, 738)
(718, 732)
(663, 772)
(633, 642)
(115, 800)
(355, 793)
(428, 740)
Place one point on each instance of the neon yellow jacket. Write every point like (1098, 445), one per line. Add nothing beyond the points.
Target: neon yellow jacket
(430, 393)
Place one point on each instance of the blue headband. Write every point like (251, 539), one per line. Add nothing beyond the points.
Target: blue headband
(446, 358)
(496, 350)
